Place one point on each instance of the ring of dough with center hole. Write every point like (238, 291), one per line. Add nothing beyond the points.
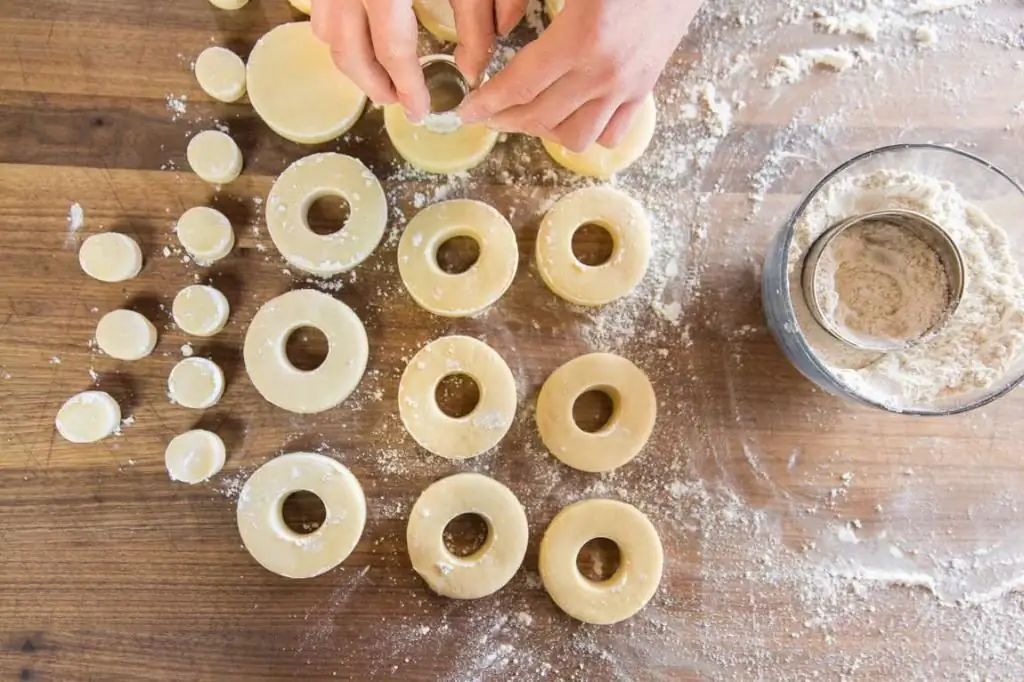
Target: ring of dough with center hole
(603, 162)
(624, 220)
(304, 6)
(469, 292)
(634, 410)
(280, 382)
(206, 234)
(214, 157)
(194, 456)
(309, 179)
(640, 563)
(272, 543)
(438, 17)
(200, 310)
(229, 4)
(486, 570)
(478, 431)
(110, 257)
(296, 89)
(125, 335)
(196, 383)
(88, 417)
(221, 74)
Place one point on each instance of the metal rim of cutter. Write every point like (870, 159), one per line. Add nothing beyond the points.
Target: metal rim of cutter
(443, 77)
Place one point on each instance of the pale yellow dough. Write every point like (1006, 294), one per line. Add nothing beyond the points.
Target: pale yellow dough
(274, 376)
(214, 157)
(272, 543)
(221, 74)
(206, 234)
(229, 4)
(478, 431)
(296, 89)
(554, 7)
(88, 417)
(625, 221)
(437, 17)
(640, 565)
(635, 408)
(194, 456)
(200, 310)
(478, 287)
(125, 335)
(304, 6)
(603, 162)
(196, 383)
(110, 257)
(489, 568)
(309, 179)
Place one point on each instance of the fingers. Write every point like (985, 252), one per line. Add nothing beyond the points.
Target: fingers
(548, 110)
(352, 49)
(509, 13)
(532, 71)
(581, 129)
(322, 19)
(619, 124)
(393, 31)
(474, 22)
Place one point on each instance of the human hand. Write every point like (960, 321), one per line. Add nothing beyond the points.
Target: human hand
(475, 22)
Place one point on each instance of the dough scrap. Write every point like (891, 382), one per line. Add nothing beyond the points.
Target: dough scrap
(195, 383)
(229, 4)
(214, 157)
(603, 162)
(200, 310)
(194, 456)
(88, 417)
(110, 257)
(221, 74)
(206, 234)
(125, 335)
(437, 17)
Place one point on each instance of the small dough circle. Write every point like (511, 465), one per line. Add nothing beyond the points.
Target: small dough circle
(625, 221)
(617, 442)
(274, 376)
(272, 543)
(206, 234)
(200, 310)
(221, 74)
(88, 417)
(194, 456)
(125, 335)
(309, 179)
(438, 17)
(603, 162)
(214, 157)
(229, 4)
(469, 292)
(110, 257)
(478, 431)
(304, 6)
(489, 568)
(195, 383)
(296, 89)
(640, 565)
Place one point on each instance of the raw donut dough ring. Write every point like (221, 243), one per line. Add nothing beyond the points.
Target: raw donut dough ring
(125, 335)
(206, 234)
(194, 456)
(274, 376)
(196, 383)
(296, 89)
(437, 17)
(469, 292)
(110, 257)
(272, 543)
(625, 221)
(478, 431)
(625, 434)
(488, 569)
(640, 565)
(88, 417)
(309, 179)
(214, 157)
(200, 310)
(221, 74)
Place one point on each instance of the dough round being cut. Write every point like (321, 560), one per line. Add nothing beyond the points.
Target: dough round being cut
(274, 376)
(206, 234)
(272, 543)
(640, 564)
(200, 310)
(125, 335)
(309, 179)
(478, 431)
(214, 157)
(486, 570)
(110, 257)
(194, 456)
(469, 292)
(221, 74)
(634, 410)
(196, 383)
(625, 221)
(603, 162)
(304, 6)
(437, 17)
(296, 89)
(88, 417)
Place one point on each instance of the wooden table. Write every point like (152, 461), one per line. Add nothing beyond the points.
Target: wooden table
(805, 538)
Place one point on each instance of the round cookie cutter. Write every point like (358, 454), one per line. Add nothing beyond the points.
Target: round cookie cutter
(445, 83)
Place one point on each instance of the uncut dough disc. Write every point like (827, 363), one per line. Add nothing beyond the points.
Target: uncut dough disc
(437, 17)
(221, 74)
(214, 157)
(88, 417)
(206, 234)
(200, 310)
(110, 257)
(194, 456)
(125, 335)
(304, 6)
(229, 4)
(196, 383)
(296, 89)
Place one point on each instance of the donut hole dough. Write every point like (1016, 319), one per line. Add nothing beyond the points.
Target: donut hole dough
(125, 335)
(206, 234)
(194, 456)
(200, 310)
(196, 383)
(622, 217)
(296, 89)
(268, 538)
(490, 567)
(603, 162)
(296, 191)
(88, 417)
(306, 348)
(592, 245)
(457, 395)
(483, 282)
(283, 384)
(221, 74)
(620, 439)
(110, 257)
(214, 157)
(229, 4)
(438, 17)
(640, 561)
(485, 425)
